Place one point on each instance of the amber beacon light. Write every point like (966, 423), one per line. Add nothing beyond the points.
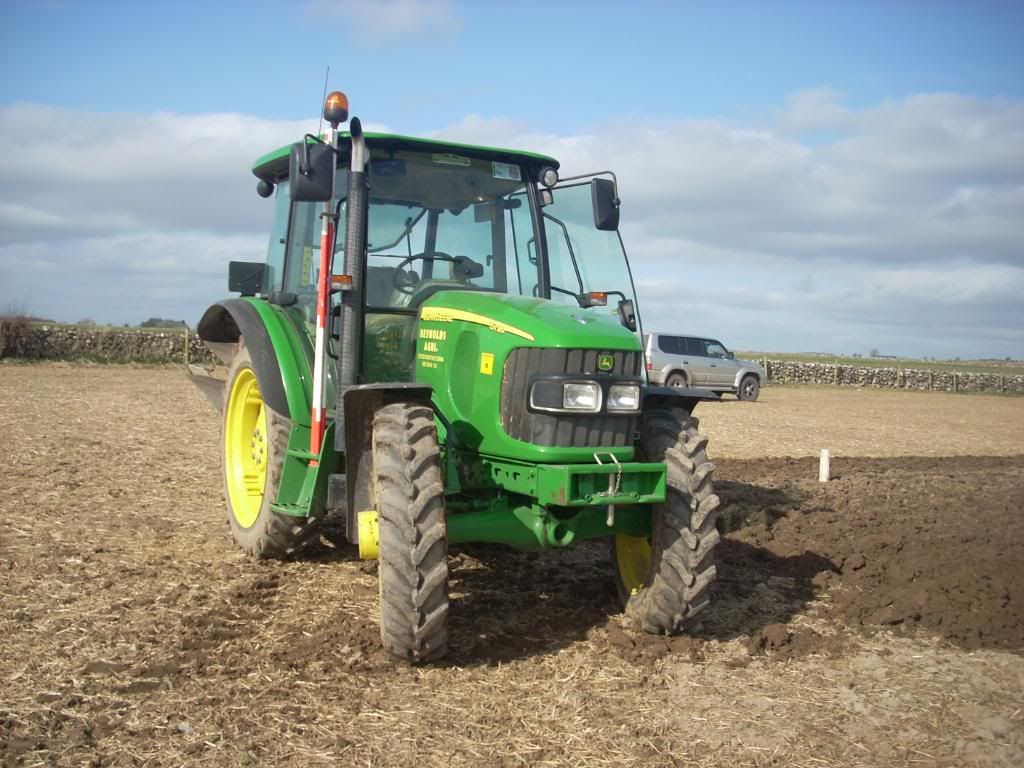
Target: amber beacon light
(336, 108)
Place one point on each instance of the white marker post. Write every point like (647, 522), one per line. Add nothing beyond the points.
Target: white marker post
(824, 470)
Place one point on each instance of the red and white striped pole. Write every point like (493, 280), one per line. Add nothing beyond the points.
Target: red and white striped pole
(323, 292)
(335, 112)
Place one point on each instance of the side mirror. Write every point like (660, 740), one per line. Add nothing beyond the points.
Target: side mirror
(246, 277)
(606, 204)
(730, 355)
(627, 314)
(311, 172)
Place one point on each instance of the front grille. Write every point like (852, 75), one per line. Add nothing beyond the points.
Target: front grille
(564, 430)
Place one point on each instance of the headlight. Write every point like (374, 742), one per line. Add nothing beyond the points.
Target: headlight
(578, 396)
(624, 397)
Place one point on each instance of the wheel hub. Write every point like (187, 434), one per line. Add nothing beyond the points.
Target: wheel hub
(245, 448)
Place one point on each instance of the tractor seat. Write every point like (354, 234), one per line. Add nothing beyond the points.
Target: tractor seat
(380, 287)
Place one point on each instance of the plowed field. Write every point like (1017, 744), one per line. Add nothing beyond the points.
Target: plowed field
(877, 619)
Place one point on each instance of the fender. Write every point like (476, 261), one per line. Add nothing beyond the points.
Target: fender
(675, 397)
(741, 374)
(353, 434)
(276, 348)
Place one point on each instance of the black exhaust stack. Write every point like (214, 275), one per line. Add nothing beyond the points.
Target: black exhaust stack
(355, 251)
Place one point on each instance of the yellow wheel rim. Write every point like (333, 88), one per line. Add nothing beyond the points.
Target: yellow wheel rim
(245, 448)
(633, 558)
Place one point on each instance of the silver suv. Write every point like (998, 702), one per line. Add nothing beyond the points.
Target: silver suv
(694, 361)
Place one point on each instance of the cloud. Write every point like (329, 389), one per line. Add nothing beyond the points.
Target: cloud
(376, 22)
(122, 172)
(124, 278)
(814, 110)
(937, 177)
(819, 226)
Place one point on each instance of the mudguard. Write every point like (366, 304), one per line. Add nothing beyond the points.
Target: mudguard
(281, 368)
(280, 358)
(675, 397)
(353, 435)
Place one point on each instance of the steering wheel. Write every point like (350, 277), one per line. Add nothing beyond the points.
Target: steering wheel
(405, 282)
(464, 269)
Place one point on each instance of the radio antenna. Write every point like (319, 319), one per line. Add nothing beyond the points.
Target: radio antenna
(323, 98)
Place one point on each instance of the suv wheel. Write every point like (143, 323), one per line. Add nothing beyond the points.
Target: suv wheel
(749, 389)
(676, 380)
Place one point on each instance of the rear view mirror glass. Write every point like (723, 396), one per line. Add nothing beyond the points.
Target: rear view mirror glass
(246, 277)
(627, 314)
(311, 172)
(606, 205)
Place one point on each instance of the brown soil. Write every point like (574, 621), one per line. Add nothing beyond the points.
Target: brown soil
(874, 620)
(919, 544)
(800, 421)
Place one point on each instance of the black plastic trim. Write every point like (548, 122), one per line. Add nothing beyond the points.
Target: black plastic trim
(675, 397)
(231, 319)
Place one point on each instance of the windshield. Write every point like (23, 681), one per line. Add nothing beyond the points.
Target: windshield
(439, 221)
(582, 258)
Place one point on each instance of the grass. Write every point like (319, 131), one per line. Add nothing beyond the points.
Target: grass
(995, 367)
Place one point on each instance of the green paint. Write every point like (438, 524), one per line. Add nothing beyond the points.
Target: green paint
(564, 485)
(303, 487)
(449, 358)
(530, 527)
(289, 347)
(274, 165)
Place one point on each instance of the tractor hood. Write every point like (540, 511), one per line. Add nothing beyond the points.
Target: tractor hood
(483, 353)
(532, 322)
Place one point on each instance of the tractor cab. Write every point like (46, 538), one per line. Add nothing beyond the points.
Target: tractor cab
(449, 217)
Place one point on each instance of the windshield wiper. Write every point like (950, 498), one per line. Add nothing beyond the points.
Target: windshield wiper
(410, 224)
(572, 257)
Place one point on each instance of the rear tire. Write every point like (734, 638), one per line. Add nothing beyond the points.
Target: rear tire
(413, 568)
(663, 581)
(255, 442)
(676, 380)
(749, 389)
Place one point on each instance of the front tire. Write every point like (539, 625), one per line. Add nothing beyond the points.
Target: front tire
(413, 568)
(663, 581)
(749, 389)
(255, 441)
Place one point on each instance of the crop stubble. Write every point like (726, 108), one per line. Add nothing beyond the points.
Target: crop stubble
(873, 620)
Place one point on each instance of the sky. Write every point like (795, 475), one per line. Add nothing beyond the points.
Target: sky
(795, 176)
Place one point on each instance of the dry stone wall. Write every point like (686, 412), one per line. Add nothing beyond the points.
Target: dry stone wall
(19, 340)
(108, 345)
(786, 372)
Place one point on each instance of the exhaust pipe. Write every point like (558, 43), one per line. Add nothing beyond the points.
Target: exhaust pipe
(355, 249)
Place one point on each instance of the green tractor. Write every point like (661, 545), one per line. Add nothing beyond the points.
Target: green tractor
(442, 347)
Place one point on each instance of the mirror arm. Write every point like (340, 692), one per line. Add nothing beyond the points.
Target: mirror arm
(304, 168)
(615, 181)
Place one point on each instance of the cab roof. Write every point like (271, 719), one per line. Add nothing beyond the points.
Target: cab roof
(273, 166)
